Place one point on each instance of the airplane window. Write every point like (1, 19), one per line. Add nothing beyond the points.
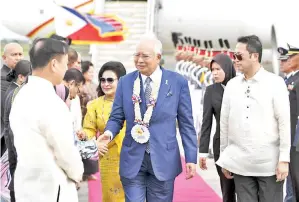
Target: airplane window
(41, 11)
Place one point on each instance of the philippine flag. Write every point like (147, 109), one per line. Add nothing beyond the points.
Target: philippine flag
(68, 21)
(86, 28)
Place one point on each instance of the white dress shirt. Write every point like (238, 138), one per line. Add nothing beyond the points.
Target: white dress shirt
(255, 125)
(43, 137)
(156, 77)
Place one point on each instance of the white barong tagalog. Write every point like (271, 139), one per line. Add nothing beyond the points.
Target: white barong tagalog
(48, 160)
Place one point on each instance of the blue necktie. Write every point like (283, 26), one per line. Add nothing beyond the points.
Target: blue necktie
(148, 91)
(286, 79)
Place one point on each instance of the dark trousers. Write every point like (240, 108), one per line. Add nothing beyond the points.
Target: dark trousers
(294, 171)
(227, 185)
(145, 186)
(258, 189)
(12, 196)
(289, 188)
(3, 146)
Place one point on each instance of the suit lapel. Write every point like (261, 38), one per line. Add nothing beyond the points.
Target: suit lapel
(294, 78)
(164, 89)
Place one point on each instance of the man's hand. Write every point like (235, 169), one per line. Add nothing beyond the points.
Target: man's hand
(282, 171)
(203, 163)
(102, 147)
(105, 137)
(81, 135)
(190, 170)
(227, 174)
(102, 143)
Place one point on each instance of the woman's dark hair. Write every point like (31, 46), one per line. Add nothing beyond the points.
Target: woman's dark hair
(85, 66)
(117, 67)
(74, 75)
(23, 67)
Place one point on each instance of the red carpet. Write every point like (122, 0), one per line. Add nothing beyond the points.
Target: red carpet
(193, 190)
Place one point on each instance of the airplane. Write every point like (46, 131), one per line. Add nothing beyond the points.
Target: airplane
(76, 21)
(209, 24)
(40, 21)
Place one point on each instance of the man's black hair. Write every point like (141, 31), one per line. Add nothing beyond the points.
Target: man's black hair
(43, 50)
(60, 38)
(254, 45)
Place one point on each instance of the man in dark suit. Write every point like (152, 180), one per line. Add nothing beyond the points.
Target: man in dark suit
(150, 158)
(12, 54)
(293, 87)
(8, 135)
(286, 68)
(293, 54)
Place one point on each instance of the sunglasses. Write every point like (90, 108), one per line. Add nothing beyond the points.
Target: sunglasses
(238, 56)
(108, 80)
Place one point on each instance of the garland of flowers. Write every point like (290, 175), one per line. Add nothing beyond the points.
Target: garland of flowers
(137, 100)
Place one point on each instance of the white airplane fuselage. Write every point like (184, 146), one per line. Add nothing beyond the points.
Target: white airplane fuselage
(211, 24)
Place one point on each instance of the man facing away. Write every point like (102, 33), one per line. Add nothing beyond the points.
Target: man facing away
(49, 165)
(150, 158)
(255, 127)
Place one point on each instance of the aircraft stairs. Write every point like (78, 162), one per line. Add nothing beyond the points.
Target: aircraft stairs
(134, 15)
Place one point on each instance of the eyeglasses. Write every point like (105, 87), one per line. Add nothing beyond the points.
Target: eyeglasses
(143, 56)
(108, 80)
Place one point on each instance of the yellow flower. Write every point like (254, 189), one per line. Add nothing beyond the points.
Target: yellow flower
(139, 131)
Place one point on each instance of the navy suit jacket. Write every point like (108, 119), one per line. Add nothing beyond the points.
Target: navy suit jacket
(173, 104)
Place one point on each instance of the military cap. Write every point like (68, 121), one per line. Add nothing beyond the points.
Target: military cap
(292, 50)
(283, 53)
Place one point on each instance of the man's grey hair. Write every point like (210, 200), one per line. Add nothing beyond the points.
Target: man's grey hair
(152, 38)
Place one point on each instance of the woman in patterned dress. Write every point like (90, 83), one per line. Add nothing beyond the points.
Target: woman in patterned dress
(98, 112)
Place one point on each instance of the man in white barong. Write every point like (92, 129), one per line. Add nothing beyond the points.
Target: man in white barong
(255, 127)
(49, 165)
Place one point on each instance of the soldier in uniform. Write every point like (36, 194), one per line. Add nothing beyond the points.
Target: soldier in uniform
(286, 68)
(293, 54)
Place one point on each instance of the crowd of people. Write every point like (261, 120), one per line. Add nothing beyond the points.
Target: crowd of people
(59, 128)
